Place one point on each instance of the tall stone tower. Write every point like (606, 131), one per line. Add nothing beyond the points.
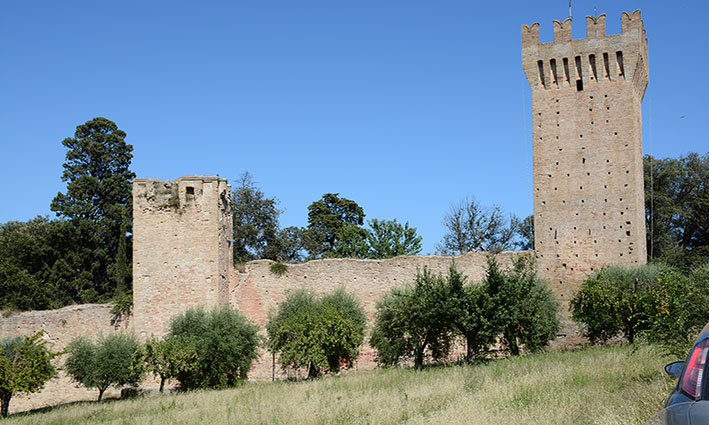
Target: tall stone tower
(588, 161)
(182, 253)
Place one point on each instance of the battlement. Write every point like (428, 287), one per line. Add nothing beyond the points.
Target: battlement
(587, 144)
(579, 63)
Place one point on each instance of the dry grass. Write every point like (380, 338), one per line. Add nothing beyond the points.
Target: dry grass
(614, 385)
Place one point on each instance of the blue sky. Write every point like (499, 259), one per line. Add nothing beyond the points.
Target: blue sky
(402, 106)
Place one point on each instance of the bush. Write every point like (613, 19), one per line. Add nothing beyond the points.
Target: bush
(318, 334)
(25, 366)
(412, 322)
(615, 301)
(109, 361)
(680, 309)
(225, 344)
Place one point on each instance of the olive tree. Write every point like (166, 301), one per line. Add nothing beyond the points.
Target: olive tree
(317, 333)
(25, 366)
(108, 361)
(412, 322)
(224, 341)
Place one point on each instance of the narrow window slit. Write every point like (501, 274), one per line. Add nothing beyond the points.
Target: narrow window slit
(540, 65)
(554, 77)
(621, 69)
(606, 67)
(592, 64)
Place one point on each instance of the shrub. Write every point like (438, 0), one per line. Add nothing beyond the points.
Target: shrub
(317, 334)
(412, 322)
(225, 344)
(109, 361)
(681, 309)
(25, 366)
(278, 268)
(617, 300)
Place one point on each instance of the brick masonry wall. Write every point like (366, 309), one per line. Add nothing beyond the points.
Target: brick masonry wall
(588, 164)
(181, 248)
(256, 291)
(60, 327)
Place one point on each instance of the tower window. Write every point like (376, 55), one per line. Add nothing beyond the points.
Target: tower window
(189, 190)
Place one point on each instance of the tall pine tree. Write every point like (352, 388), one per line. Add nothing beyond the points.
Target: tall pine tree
(98, 203)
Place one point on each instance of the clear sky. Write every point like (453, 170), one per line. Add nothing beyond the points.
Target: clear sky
(403, 106)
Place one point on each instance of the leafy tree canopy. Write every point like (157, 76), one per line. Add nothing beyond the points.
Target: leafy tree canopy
(106, 362)
(225, 343)
(677, 209)
(412, 322)
(317, 333)
(329, 216)
(25, 366)
(256, 229)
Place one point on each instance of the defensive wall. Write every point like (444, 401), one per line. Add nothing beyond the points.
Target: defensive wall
(588, 211)
(59, 328)
(255, 291)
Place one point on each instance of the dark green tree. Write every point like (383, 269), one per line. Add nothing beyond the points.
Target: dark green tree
(470, 312)
(109, 361)
(98, 204)
(226, 344)
(255, 222)
(413, 322)
(351, 243)
(34, 261)
(328, 217)
(525, 311)
(668, 306)
(25, 366)
(677, 209)
(473, 227)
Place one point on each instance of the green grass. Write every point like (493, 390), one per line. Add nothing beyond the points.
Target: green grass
(612, 385)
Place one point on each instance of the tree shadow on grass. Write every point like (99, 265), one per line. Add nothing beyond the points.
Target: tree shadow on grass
(47, 409)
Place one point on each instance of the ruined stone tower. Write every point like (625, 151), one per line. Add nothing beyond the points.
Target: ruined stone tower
(588, 161)
(181, 248)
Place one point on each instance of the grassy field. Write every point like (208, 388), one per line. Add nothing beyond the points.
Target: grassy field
(613, 385)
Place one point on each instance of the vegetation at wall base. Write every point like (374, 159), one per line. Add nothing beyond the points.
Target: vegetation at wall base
(224, 341)
(25, 366)
(599, 386)
(653, 302)
(318, 334)
(421, 320)
(108, 361)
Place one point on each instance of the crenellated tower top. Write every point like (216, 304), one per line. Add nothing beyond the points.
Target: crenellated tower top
(566, 62)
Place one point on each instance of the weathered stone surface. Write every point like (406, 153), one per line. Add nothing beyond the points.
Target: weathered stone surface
(60, 327)
(588, 161)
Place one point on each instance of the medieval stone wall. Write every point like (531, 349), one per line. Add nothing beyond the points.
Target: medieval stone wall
(256, 291)
(182, 251)
(60, 327)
